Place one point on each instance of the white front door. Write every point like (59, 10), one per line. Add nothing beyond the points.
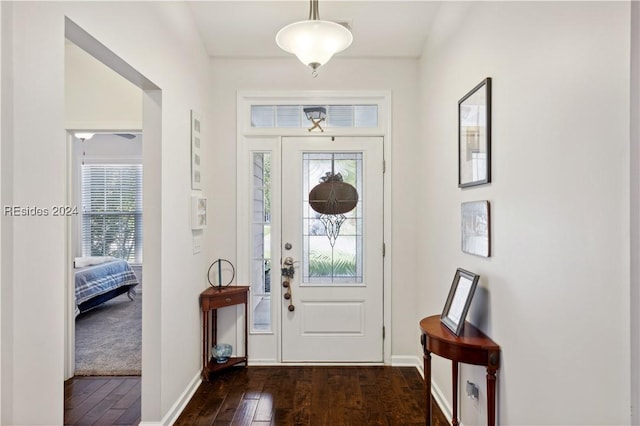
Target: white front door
(335, 309)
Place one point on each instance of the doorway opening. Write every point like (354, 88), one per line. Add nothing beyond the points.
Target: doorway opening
(334, 295)
(107, 189)
(149, 123)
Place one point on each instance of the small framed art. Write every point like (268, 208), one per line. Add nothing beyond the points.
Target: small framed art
(459, 299)
(196, 153)
(475, 228)
(474, 136)
(198, 212)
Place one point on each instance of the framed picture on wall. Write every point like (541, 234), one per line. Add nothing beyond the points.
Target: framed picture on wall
(198, 212)
(196, 155)
(474, 136)
(459, 299)
(475, 228)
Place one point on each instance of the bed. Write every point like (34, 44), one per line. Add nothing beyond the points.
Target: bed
(99, 279)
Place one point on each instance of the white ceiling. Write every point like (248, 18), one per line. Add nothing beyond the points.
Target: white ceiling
(238, 28)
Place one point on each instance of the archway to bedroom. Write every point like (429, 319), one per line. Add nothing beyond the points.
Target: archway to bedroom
(105, 212)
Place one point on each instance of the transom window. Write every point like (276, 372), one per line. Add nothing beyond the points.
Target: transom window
(293, 116)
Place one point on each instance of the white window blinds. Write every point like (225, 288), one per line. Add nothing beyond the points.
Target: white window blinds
(112, 211)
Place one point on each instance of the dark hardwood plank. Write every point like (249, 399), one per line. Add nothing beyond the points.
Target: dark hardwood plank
(267, 396)
(103, 401)
(311, 396)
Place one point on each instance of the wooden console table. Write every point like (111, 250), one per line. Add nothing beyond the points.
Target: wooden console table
(210, 301)
(471, 347)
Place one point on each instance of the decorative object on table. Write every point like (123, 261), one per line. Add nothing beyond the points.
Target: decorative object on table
(474, 136)
(221, 352)
(196, 156)
(198, 212)
(459, 299)
(315, 115)
(218, 270)
(314, 41)
(475, 228)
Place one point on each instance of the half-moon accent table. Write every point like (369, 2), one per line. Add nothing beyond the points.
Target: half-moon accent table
(471, 347)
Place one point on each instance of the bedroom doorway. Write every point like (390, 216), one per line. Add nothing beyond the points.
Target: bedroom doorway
(107, 252)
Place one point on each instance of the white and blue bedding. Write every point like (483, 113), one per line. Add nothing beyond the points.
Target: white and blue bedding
(101, 280)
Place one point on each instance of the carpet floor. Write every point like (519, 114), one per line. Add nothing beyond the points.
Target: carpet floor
(109, 339)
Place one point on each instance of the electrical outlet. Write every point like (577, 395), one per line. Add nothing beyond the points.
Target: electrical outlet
(472, 390)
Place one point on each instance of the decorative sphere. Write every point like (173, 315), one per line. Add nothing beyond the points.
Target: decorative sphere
(221, 352)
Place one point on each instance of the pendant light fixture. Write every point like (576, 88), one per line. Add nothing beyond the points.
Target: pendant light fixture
(314, 41)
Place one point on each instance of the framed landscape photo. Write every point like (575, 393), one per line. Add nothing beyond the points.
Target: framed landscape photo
(459, 299)
(475, 228)
(474, 136)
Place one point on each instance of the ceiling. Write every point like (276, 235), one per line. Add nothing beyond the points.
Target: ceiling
(238, 28)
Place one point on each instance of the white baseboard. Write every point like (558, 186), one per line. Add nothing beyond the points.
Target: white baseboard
(263, 362)
(180, 404)
(406, 361)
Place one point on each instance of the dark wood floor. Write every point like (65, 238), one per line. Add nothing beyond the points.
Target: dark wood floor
(255, 396)
(332, 396)
(102, 400)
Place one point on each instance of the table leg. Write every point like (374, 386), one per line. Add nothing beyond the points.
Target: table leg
(454, 377)
(205, 349)
(491, 397)
(246, 333)
(427, 385)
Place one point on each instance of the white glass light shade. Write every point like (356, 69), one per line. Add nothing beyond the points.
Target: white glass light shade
(83, 135)
(314, 42)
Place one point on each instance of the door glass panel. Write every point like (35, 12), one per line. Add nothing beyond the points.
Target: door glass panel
(325, 261)
(261, 243)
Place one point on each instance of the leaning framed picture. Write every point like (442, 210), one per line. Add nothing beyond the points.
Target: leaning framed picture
(459, 299)
(475, 228)
(474, 136)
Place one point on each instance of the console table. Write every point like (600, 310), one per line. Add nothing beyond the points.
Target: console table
(471, 347)
(210, 301)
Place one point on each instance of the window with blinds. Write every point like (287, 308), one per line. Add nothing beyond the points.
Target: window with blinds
(292, 116)
(112, 211)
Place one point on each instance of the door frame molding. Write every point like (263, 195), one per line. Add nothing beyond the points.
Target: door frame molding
(245, 132)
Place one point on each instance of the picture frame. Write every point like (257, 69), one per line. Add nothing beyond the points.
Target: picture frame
(198, 212)
(459, 299)
(196, 153)
(474, 136)
(475, 228)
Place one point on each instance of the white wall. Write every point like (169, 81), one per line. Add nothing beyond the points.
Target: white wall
(148, 36)
(555, 292)
(97, 98)
(635, 211)
(397, 75)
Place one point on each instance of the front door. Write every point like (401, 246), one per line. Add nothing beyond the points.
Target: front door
(334, 311)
